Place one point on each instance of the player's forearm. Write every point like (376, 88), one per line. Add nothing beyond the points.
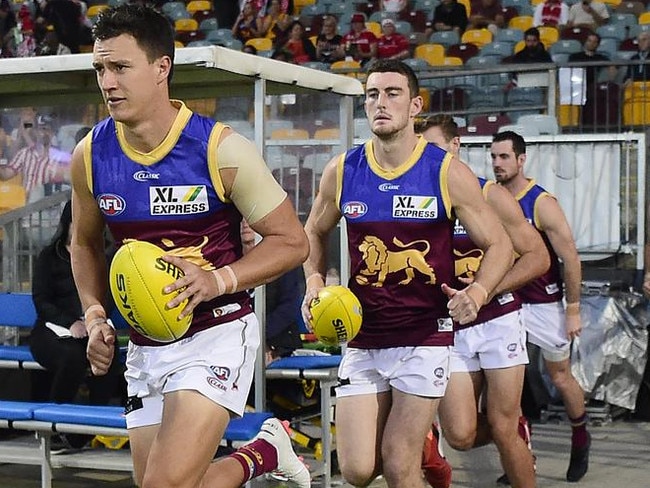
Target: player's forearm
(90, 274)
(573, 279)
(496, 262)
(528, 267)
(316, 265)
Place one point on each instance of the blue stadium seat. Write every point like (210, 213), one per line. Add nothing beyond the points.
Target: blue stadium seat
(503, 49)
(446, 38)
(565, 46)
(509, 35)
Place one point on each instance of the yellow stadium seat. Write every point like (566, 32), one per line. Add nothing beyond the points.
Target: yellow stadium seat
(433, 54)
(261, 43)
(522, 22)
(374, 27)
(349, 68)
(569, 115)
(644, 18)
(612, 3)
(452, 61)
(178, 44)
(197, 5)
(479, 37)
(331, 133)
(298, 5)
(468, 6)
(519, 46)
(636, 104)
(95, 10)
(185, 25)
(12, 196)
(290, 134)
(535, 3)
(548, 35)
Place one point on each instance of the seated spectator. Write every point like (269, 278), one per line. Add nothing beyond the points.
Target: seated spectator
(7, 22)
(552, 13)
(298, 44)
(245, 26)
(394, 6)
(59, 338)
(329, 44)
(589, 54)
(360, 44)
(392, 44)
(533, 52)
(449, 15)
(639, 72)
(274, 23)
(51, 45)
(486, 14)
(588, 14)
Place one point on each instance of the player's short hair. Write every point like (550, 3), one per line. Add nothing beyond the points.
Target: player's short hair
(396, 66)
(518, 142)
(447, 124)
(150, 29)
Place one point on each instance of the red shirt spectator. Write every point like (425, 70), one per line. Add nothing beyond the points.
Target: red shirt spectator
(360, 43)
(392, 44)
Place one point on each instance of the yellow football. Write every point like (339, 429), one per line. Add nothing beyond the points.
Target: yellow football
(137, 277)
(336, 315)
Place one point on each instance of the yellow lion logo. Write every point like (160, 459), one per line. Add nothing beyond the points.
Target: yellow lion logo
(467, 264)
(380, 261)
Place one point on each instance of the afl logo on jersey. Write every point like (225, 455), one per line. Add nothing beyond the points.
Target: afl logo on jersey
(111, 204)
(354, 210)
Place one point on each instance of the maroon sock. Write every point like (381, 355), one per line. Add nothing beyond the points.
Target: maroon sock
(579, 431)
(256, 458)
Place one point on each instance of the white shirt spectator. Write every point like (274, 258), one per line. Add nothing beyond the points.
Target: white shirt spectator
(588, 14)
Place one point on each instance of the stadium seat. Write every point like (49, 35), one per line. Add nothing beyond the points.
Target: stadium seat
(464, 51)
(171, 8)
(327, 133)
(417, 38)
(417, 18)
(612, 31)
(548, 35)
(644, 18)
(317, 65)
(578, 33)
(487, 98)
(636, 104)
(608, 47)
(380, 15)
(433, 54)
(260, 43)
(484, 61)
(634, 30)
(451, 61)
(349, 68)
(446, 38)
(209, 24)
(479, 37)
(545, 124)
(633, 7)
(565, 46)
(300, 134)
(526, 97)
(198, 43)
(509, 13)
(521, 22)
(185, 25)
(448, 99)
(603, 106)
(427, 6)
(417, 64)
(612, 3)
(186, 37)
(374, 27)
(195, 5)
(512, 36)
(503, 49)
(403, 27)
(234, 44)
(485, 125)
(523, 6)
(569, 115)
(299, 5)
(95, 10)
(201, 15)
(12, 195)
(219, 36)
(622, 19)
(522, 130)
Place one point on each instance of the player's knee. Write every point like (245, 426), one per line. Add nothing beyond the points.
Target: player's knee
(460, 439)
(356, 476)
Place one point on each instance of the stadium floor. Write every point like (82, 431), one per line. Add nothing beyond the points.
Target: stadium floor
(620, 457)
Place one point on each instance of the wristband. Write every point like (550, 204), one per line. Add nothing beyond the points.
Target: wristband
(221, 286)
(483, 290)
(95, 308)
(94, 322)
(313, 275)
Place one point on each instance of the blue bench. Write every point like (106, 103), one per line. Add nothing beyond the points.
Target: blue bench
(46, 418)
(323, 369)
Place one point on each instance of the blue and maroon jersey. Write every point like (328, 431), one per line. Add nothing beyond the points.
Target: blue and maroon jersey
(468, 259)
(400, 227)
(548, 287)
(171, 197)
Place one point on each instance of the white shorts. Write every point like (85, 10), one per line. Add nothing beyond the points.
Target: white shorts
(218, 363)
(497, 343)
(422, 371)
(546, 326)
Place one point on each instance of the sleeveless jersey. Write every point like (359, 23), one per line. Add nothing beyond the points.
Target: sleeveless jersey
(169, 197)
(548, 287)
(467, 261)
(399, 229)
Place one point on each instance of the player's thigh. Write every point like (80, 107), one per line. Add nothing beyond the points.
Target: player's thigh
(192, 427)
(504, 388)
(360, 421)
(458, 408)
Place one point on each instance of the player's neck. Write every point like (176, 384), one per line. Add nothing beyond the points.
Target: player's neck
(392, 153)
(148, 134)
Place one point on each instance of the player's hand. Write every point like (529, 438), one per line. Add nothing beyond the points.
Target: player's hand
(197, 285)
(310, 295)
(78, 329)
(573, 326)
(101, 344)
(462, 307)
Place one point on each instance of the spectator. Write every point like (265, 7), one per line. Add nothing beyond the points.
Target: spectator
(329, 44)
(226, 12)
(640, 72)
(392, 44)
(245, 26)
(533, 52)
(274, 23)
(588, 14)
(589, 54)
(58, 340)
(282, 55)
(7, 21)
(38, 161)
(449, 15)
(552, 13)
(487, 14)
(66, 17)
(51, 45)
(360, 43)
(298, 44)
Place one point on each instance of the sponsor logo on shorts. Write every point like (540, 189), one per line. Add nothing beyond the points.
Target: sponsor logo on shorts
(221, 372)
(145, 176)
(111, 204)
(552, 288)
(388, 187)
(178, 200)
(513, 350)
(415, 207)
(439, 372)
(354, 210)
